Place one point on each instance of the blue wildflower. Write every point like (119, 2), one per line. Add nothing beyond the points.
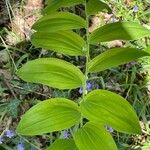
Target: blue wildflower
(110, 129)
(1, 140)
(66, 134)
(20, 146)
(81, 90)
(135, 9)
(89, 87)
(10, 134)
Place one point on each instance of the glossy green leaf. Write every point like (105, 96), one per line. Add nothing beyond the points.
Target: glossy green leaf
(58, 22)
(64, 144)
(48, 116)
(53, 5)
(95, 137)
(111, 109)
(115, 57)
(53, 72)
(66, 42)
(119, 31)
(95, 6)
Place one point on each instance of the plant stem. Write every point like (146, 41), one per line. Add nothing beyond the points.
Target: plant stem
(87, 59)
(87, 54)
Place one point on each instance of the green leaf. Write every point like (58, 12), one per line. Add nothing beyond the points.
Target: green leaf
(48, 116)
(59, 21)
(64, 144)
(66, 42)
(53, 5)
(53, 72)
(111, 109)
(95, 137)
(115, 57)
(147, 49)
(95, 6)
(119, 31)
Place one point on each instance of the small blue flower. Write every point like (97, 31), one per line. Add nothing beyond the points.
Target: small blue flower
(10, 134)
(89, 87)
(66, 134)
(81, 90)
(110, 129)
(1, 140)
(135, 9)
(20, 146)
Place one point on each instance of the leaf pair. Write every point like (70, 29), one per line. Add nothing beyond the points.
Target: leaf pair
(60, 74)
(68, 42)
(58, 114)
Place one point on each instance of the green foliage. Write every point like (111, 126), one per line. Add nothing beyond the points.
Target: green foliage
(115, 57)
(111, 109)
(65, 42)
(95, 6)
(52, 72)
(100, 108)
(65, 144)
(59, 21)
(93, 136)
(119, 31)
(53, 5)
(49, 116)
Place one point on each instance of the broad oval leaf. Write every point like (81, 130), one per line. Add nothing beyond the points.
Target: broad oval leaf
(119, 31)
(95, 137)
(53, 72)
(95, 6)
(48, 116)
(111, 109)
(64, 144)
(53, 5)
(59, 21)
(66, 42)
(115, 57)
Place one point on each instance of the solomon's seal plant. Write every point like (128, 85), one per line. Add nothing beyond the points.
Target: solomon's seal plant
(97, 109)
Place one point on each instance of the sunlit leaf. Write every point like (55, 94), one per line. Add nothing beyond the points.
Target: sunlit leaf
(53, 72)
(95, 137)
(95, 6)
(49, 116)
(115, 57)
(119, 31)
(59, 21)
(102, 106)
(66, 42)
